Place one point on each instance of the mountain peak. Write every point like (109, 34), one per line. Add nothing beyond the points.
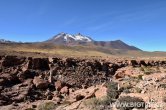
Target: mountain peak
(62, 33)
(65, 37)
(118, 41)
(79, 34)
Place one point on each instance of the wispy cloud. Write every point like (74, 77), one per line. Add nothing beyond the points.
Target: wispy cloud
(142, 14)
(99, 27)
(70, 22)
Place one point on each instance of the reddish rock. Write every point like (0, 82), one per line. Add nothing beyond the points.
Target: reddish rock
(40, 83)
(142, 62)
(2, 81)
(38, 64)
(49, 97)
(119, 75)
(1, 70)
(124, 72)
(9, 79)
(25, 75)
(105, 66)
(9, 61)
(57, 99)
(133, 63)
(101, 92)
(59, 85)
(64, 90)
(82, 94)
(71, 62)
(17, 93)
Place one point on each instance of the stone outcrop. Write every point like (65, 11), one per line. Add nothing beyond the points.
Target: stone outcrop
(72, 79)
(9, 61)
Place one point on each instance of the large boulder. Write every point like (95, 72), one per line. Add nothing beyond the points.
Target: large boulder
(101, 92)
(82, 94)
(71, 62)
(142, 63)
(122, 73)
(9, 79)
(59, 85)
(64, 90)
(25, 75)
(105, 67)
(98, 65)
(133, 63)
(2, 81)
(9, 61)
(16, 93)
(40, 83)
(38, 64)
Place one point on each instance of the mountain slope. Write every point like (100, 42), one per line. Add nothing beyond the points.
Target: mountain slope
(117, 44)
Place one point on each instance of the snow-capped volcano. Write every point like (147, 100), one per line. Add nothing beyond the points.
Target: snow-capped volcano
(78, 39)
(69, 37)
(65, 38)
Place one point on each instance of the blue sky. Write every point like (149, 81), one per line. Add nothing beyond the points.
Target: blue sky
(141, 23)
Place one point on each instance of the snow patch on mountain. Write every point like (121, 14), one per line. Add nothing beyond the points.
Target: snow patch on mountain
(81, 38)
(77, 37)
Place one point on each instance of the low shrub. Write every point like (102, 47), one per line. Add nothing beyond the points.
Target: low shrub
(140, 77)
(138, 90)
(163, 86)
(112, 91)
(147, 70)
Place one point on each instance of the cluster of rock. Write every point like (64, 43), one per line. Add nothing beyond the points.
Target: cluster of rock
(29, 79)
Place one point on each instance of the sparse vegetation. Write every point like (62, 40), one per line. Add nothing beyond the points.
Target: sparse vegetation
(47, 106)
(147, 70)
(141, 68)
(140, 77)
(163, 86)
(102, 104)
(164, 99)
(112, 91)
(158, 69)
(126, 91)
(138, 90)
(126, 87)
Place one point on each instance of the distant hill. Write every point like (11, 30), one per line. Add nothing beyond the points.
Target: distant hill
(6, 41)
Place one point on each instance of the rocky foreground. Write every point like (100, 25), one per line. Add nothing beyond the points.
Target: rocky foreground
(81, 84)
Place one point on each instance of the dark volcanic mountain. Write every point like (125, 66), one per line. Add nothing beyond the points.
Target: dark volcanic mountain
(78, 39)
